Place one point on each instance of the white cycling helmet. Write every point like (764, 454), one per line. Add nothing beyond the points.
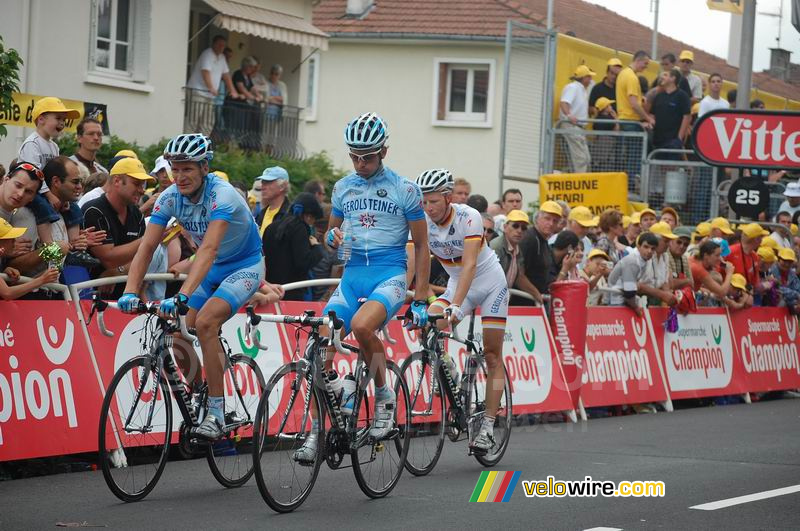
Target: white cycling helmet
(368, 131)
(193, 147)
(438, 180)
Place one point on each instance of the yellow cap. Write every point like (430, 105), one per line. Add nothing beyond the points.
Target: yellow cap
(602, 103)
(552, 207)
(51, 104)
(7, 232)
(769, 242)
(646, 211)
(722, 224)
(794, 229)
(583, 216)
(670, 210)
(767, 255)
(787, 254)
(583, 71)
(753, 230)
(517, 215)
(222, 175)
(626, 222)
(132, 168)
(663, 229)
(686, 54)
(597, 252)
(614, 62)
(703, 229)
(127, 153)
(636, 218)
(738, 281)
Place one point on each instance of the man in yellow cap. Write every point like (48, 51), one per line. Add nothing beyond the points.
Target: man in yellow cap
(695, 83)
(536, 253)
(603, 149)
(647, 218)
(785, 273)
(574, 109)
(721, 228)
(743, 255)
(632, 230)
(117, 212)
(506, 247)
(580, 221)
(656, 278)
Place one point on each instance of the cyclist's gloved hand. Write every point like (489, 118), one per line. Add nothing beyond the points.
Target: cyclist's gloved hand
(331, 238)
(418, 314)
(455, 312)
(170, 306)
(129, 303)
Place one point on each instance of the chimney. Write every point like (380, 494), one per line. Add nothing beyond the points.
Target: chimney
(779, 63)
(358, 8)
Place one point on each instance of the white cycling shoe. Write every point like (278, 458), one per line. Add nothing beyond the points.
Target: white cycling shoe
(383, 422)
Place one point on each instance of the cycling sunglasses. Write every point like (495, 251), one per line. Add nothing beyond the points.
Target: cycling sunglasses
(518, 225)
(366, 157)
(26, 166)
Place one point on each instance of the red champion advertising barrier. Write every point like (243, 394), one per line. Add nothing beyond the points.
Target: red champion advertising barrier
(568, 320)
(621, 362)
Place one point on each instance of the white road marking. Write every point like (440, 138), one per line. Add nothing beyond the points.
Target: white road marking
(721, 504)
(604, 529)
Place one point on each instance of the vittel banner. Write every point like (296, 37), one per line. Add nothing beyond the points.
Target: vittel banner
(699, 358)
(621, 364)
(767, 345)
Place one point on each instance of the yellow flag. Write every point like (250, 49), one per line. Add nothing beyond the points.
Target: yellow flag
(731, 6)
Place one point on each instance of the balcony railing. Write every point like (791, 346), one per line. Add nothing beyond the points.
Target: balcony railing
(249, 125)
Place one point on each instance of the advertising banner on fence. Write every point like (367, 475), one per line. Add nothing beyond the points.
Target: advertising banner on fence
(598, 191)
(568, 323)
(699, 358)
(621, 363)
(20, 112)
(49, 399)
(767, 344)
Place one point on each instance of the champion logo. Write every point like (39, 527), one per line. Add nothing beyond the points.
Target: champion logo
(639, 332)
(716, 331)
(57, 352)
(791, 327)
(529, 343)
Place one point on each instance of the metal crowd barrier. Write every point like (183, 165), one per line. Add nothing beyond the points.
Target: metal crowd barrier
(581, 150)
(61, 288)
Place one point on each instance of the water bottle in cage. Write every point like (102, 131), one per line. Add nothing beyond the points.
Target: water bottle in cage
(346, 248)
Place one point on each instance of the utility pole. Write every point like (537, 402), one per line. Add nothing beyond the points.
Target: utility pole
(746, 55)
(654, 45)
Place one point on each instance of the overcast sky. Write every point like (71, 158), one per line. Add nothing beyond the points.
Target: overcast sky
(692, 22)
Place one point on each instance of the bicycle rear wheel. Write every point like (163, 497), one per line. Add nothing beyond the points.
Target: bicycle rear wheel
(476, 405)
(135, 430)
(426, 432)
(378, 464)
(281, 427)
(231, 458)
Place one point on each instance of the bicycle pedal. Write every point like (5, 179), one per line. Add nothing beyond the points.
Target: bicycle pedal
(379, 447)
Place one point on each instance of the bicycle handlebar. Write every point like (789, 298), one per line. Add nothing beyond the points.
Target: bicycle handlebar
(251, 328)
(331, 321)
(144, 307)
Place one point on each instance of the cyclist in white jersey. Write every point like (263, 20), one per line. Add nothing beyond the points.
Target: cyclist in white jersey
(382, 208)
(227, 270)
(456, 239)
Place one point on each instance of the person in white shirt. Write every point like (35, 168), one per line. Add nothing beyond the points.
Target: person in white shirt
(574, 107)
(713, 100)
(656, 277)
(210, 67)
(783, 236)
(695, 83)
(792, 203)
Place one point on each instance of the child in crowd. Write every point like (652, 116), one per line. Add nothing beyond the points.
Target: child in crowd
(738, 294)
(7, 236)
(595, 272)
(49, 116)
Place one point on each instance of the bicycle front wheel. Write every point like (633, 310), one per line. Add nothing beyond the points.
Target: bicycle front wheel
(285, 472)
(135, 429)
(231, 458)
(378, 464)
(476, 406)
(426, 432)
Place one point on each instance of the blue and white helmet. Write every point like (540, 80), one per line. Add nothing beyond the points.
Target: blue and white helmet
(437, 180)
(192, 147)
(368, 131)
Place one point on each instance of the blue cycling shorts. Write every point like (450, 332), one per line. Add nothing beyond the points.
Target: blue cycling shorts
(234, 283)
(383, 284)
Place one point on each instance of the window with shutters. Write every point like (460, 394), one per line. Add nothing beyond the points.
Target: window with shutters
(463, 92)
(120, 39)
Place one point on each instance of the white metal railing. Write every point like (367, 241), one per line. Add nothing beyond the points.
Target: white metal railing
(61, 288)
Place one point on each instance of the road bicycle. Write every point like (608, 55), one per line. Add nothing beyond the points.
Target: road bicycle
(300, 391)
(136, 423)
(440, 405)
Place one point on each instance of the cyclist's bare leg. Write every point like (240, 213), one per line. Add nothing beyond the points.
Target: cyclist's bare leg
(185, 355)
(492, 351)
(367, 320)
(209, 321)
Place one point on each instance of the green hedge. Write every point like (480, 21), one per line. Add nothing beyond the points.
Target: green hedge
(241, 166)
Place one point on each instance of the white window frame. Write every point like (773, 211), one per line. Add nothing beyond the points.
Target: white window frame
(462, 119)
(313, 97)
(112, 40)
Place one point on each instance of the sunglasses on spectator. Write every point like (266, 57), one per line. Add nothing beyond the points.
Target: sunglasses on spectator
(518, 225)
(28, 167)
(366, 157)
(489, 231)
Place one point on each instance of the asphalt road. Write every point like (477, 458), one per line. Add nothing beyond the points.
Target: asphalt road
(703, 455)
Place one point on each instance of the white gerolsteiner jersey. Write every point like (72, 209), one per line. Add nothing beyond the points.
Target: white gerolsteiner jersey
(446, 241)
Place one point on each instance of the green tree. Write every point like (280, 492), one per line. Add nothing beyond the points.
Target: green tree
(10, 61)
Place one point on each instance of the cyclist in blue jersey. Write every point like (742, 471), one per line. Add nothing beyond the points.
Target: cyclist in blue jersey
(381, 208)
(227, 270)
